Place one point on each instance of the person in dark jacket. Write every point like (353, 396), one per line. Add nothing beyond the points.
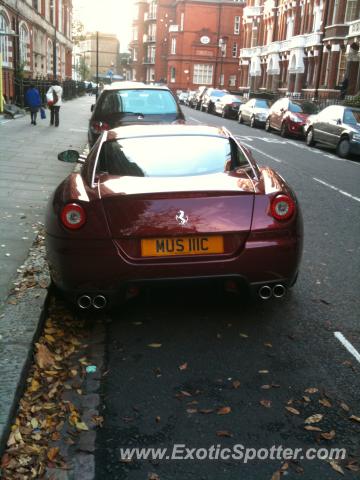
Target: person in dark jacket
(33, 100)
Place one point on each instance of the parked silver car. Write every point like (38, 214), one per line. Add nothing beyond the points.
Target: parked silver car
(255, 112)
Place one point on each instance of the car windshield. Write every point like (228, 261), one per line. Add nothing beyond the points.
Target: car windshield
(217, 93)
(147, 102)
(304, 107)
(261, 103)
(352, 116)
(168, 156)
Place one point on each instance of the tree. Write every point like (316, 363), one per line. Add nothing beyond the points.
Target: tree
(78, 32)
(82, 69)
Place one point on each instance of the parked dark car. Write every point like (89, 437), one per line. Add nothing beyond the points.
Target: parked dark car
(179, 202)
(228, 106)
(289, 116)
(211, 95)
(126, 103)
(254, 112)
(336, 126)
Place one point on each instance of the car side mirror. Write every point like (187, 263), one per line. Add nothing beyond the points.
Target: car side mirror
(71, 156)
(92, 107)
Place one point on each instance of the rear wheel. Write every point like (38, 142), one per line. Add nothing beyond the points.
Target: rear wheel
(283, 130)
(310, 140)
(252, 122)
(209, 108)
(240, 118)
(267, 125)
(343, 148)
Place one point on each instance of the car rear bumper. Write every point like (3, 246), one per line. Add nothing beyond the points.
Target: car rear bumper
(355, 148)
(296, 129)
(97, 267)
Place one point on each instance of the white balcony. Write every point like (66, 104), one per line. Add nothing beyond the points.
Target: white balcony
(354, 28)
(252, 11)
(174, 28)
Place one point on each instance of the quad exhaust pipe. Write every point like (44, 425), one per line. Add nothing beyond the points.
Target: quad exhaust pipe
(266, 292)
(85, 302)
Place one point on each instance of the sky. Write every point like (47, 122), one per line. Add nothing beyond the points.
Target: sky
(108, 16)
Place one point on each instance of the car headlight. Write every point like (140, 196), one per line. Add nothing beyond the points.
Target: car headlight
(295, 119)
(356, 137)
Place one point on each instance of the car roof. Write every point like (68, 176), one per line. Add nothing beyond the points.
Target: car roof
(134, 86)
(132, 131)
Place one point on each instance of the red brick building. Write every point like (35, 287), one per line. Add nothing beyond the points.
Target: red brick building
(37, 25)
(187, 43)
(300, 46)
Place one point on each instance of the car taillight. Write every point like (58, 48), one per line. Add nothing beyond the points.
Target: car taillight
(282, 207)
(98, 127)
(73, 216)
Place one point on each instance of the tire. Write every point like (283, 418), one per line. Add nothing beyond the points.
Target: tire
(310, 141)
(252, 122)
(283, 130)
(267, 125)
(240, 118)
(343, 148)
(209, 108)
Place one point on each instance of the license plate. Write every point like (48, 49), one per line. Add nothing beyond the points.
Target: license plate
(167, 246)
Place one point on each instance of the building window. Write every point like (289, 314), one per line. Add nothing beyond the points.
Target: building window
(182, 18)
(342, 67)
(234, 50)
(290, 28)
(4, 39)
(52, 13)
(173, 46)
(232, 80)
(135, 33)
(222, 79)
(269, 35)
(152, 10)
(35, 4)
(336, 8)
(49, 55)
(152, 32)
(254, 34)
(203, 74)
(350, 14)
(135, 54)
(237, 25)
(317, 19)
(60, 16)
(172, 74)
(24, 40)
(327, 70)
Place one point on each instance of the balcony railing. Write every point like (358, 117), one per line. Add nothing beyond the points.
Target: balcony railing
(149, 61)
(354, 28)
(149, 38)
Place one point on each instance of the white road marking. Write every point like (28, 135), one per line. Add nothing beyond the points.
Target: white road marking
(4, 121)
(262, 153)
(349, 347)
(337, 189)
(79, 130)
(195, 120)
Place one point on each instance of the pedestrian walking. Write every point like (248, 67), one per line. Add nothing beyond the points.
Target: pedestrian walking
(33, 100)
(54, 97)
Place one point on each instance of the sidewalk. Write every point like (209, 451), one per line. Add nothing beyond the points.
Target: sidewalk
(29, 172)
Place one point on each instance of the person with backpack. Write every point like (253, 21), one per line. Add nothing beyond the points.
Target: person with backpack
(33, 100)
(54, 99)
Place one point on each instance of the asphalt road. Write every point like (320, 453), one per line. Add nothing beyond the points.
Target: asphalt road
(217, 339)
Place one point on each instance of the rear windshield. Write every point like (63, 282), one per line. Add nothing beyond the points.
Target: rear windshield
(262, 104)
(352, 116)
(305, 107)
(169, 156)
(146, 102)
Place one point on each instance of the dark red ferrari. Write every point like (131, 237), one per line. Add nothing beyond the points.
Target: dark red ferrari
(171, 203)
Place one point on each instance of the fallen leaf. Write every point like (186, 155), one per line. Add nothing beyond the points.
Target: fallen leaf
(355, 418)
(224, 410)
(266, 403)
(353, 466)
(344, 406)
(52, 453)
(153, 476)
(263, 371)
(154, 345)
(185, 393)
(292, 410)
(157, 419)
(335, 466)
(311, 390)
(265, 387)
(43, 356)
(224, 433)
(34, 386)
(268, 345)
(98, 420)
(81, 426)
(325, 403)
(328, 435)
(191, 410)
(310, 428)
(243, 335)
(183, 366)
(314, 418)
(306, 399)
(34, 423)
(236, 384)
(206, 411)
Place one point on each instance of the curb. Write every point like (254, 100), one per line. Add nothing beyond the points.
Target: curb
(21, 321)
